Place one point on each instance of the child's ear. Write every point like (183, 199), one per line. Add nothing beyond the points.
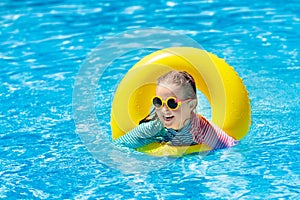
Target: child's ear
(193, 104)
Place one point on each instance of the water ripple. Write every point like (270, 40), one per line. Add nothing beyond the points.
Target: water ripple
(44, 45)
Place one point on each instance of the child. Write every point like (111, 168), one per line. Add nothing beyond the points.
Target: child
(174, 121)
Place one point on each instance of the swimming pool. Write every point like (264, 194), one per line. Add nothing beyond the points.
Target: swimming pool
(44, 47)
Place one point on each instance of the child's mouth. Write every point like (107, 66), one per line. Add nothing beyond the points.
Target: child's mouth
(168, 117)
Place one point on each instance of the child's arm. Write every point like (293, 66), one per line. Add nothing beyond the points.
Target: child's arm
(140, 136)
(213, 136)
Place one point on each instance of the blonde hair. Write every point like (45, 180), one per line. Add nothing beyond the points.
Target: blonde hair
(178, 78)
(181, 79)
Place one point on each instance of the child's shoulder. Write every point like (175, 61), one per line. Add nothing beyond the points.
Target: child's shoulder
(201, 117)
(203, 121)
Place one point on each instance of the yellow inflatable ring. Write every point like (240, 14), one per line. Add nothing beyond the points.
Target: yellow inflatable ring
(224, 89)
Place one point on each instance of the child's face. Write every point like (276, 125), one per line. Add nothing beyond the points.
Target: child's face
(175, 119)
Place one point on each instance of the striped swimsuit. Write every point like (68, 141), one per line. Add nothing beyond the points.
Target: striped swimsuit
(198, 131)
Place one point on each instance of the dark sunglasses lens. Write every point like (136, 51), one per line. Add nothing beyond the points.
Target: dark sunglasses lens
(172, 103)
(157, 102)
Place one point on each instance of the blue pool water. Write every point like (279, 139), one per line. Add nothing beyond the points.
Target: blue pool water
(46, 137)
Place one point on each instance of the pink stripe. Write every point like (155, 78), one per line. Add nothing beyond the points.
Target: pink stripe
(205, 132)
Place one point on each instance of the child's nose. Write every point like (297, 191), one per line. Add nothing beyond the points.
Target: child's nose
(165, 107)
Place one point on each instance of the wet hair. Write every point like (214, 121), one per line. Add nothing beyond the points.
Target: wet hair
(181, 79)
(178, 78)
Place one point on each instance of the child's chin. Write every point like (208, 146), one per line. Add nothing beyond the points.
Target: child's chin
(168, 125)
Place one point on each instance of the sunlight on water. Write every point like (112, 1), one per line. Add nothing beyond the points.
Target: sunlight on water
(44, 47)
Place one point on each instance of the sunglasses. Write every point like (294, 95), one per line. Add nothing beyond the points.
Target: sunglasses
(171, 102)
